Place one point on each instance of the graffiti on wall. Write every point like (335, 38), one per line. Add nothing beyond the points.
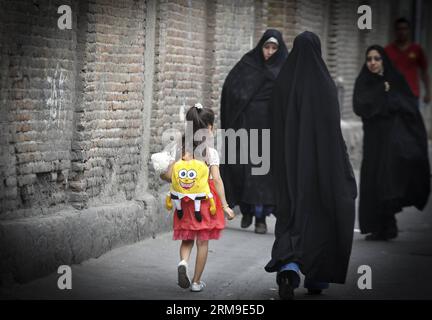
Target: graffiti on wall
(55, 102)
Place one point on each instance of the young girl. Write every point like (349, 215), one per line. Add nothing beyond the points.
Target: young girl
(187, 228)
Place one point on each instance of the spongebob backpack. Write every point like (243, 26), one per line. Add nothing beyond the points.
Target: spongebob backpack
(190, 179)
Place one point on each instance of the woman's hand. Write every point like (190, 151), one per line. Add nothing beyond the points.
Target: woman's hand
(386, 86)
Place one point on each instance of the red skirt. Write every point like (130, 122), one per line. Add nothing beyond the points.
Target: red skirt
(188, 227)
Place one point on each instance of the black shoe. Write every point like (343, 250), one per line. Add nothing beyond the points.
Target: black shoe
(287, 281)
(391, 230)
(260, 227)
(179, 214)
(198, 216)
(391, 234)
(315, 287)
(246, 220)
(376, 236)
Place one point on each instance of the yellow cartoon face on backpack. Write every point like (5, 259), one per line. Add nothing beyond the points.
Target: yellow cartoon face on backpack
(190, 177)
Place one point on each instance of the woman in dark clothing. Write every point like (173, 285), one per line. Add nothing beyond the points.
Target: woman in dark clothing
(316, 188)
(395, 169)
(244, 105)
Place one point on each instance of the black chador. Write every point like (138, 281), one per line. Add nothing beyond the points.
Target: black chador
(315, 184)
(395, 169)
(244, 105)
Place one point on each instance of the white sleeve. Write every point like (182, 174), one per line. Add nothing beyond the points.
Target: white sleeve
(213, 157)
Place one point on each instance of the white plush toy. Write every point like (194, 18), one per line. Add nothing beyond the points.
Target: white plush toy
(161, 161)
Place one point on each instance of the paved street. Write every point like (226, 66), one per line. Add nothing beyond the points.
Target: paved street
(401, 269)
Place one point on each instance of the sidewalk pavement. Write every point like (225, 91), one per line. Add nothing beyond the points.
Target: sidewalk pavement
(401, 269)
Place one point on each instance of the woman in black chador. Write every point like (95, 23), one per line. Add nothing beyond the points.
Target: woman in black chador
(244, 105)
(312, 173)
(395, 170)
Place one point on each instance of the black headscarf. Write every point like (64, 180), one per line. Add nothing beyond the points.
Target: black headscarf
(255, 57)
(310, 165)
(395, 168)
(248, 76)
(370, 98)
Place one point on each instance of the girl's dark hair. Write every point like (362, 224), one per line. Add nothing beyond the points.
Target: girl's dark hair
(200, 118)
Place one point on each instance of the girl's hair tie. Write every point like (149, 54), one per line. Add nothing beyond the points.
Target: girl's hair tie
(198, 105)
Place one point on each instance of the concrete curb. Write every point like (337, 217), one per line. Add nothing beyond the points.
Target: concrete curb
(35, 247)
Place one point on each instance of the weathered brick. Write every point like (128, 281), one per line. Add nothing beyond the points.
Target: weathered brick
(26, 179)
(11, 182)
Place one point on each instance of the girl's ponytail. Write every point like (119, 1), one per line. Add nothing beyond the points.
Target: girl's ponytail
(200, 118)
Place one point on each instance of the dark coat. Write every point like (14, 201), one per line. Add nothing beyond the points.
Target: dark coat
(395, 169)
(244, 105)
(311, 169)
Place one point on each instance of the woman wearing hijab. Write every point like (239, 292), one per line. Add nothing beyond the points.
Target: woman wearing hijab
(315, 204)
(244, 105)
(395, 169)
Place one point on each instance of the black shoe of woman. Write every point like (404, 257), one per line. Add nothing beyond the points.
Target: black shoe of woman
(287, 282)
(246, 221)
(391, 230)
(261, 228)
(376, 236)
(260, 225)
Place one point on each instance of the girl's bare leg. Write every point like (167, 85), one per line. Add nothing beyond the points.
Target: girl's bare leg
(182, 273)
(201, 259)
(186, 249)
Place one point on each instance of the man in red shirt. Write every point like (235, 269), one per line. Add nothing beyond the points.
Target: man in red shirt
(409, 58)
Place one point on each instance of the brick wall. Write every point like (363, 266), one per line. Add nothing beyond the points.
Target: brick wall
(281, 15)
(344, 50)
(72, 125)
(37, 94)
(382, 30)
(314, 16)
(105, 150)
(180, 63)
(233, 35)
